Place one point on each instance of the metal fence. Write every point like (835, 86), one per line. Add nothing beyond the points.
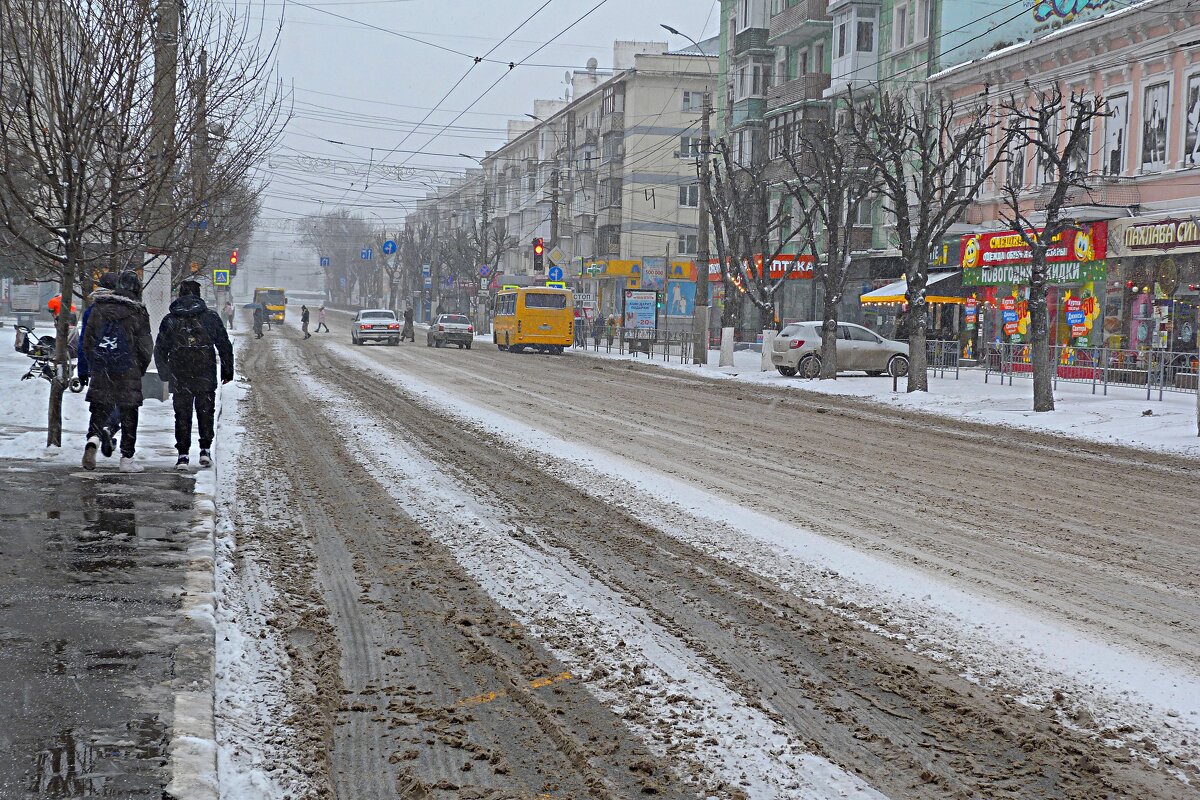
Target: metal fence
(665, 345)
(1159, 371)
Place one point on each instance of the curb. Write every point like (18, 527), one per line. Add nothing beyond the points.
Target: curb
(192, 750)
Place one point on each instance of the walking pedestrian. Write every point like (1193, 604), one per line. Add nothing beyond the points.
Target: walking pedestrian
(259, 316)
(304, 321)
(184, 355)
(228, 311)
(321, 319)
(118, 347)
(597, 330)
(407, 332)
(107, 432)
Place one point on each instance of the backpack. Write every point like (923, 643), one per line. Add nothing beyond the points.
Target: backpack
(113, 355)
(190, 334)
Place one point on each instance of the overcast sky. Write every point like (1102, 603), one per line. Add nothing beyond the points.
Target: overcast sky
(367, 87)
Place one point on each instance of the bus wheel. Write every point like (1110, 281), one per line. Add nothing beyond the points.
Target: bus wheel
(515, 348)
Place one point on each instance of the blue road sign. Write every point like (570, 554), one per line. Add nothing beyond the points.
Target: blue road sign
(425, 270)
(367, 253)
(324, 261)
(389, 247)
(555, 273)
(342, 281)
(220, 277)
(484, 270)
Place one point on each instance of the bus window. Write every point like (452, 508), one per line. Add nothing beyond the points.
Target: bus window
(539, 300)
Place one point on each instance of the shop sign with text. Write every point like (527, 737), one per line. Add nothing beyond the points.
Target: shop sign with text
(1074, 256)
(1159, 236)
(789, 266)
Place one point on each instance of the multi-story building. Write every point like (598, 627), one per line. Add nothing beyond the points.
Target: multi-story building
(607, 178)
(1131, 278)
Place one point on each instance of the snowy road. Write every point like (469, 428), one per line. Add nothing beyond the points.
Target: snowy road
(525, 576)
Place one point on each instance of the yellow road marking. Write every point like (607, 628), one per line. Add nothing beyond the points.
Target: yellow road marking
(536, 683)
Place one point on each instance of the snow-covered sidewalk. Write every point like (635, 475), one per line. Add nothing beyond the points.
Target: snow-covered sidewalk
(1124, 416)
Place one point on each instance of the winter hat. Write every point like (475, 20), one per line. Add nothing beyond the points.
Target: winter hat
(189, 287)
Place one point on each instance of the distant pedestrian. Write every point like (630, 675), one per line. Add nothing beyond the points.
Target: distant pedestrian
(321, 319)
(228, 312)
(259, 317)
(597, 330)
(304, 321)
(440, 310)
(407, 332)
(119, 348)
(107, 432)
(612, 328)
(184, 354)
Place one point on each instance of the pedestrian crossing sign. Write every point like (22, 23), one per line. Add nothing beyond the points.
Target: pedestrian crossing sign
(220, 277)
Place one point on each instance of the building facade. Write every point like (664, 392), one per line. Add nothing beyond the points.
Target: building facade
(1129, 278)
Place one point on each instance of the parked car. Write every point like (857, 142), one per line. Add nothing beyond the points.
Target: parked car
(797, 351)
(375, 325)
(450, 329)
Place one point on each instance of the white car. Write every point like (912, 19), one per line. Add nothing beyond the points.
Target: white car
(797, 351)
(375, 325)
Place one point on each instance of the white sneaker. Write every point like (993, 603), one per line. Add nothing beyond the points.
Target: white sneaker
(129, 465)
(205, 459)
(89, 452)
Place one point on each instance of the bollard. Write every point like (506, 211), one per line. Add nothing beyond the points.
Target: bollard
(768, 345)
(726, 347)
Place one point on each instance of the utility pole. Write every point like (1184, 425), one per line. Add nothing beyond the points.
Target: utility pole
(700, 321)
(554, 206)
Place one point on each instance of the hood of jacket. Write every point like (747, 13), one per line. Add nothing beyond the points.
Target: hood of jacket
(188, 306)
(116, 304)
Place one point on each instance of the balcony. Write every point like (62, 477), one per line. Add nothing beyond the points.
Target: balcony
(614, 121)
(751, 40)
(809, 86)
(796, 25)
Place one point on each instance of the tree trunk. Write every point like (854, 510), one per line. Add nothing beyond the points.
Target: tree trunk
(62, 361)
(918, 361)
(1039, 334)
(829, 340)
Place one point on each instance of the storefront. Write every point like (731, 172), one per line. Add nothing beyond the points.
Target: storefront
(1154, 276)
(885, 309)
(996, 269)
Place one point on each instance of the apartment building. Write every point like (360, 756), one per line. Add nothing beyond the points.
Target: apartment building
(1131, 279)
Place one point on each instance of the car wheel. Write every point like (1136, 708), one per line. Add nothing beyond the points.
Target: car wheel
(438, 343)
(786, 372)
(468, 345)
(395, 342)
(809, 367)
(515, 348)
(898, 366)
(428, 341)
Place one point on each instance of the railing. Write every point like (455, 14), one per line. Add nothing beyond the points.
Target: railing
(809, 86)
(750, 39)
(665, 345)
(1159, 371)
(795, 18)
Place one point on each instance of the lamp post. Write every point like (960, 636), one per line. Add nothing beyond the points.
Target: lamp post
(700, 320)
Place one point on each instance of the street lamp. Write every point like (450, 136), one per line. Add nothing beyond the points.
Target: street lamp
(700, 320)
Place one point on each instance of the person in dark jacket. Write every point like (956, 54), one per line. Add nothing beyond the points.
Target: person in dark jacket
(407, 331)
(108, 284)
(260, 316)
(189, 340)
(304, 321)
(118, 347)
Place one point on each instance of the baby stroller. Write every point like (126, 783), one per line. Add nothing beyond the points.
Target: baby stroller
(41, 351)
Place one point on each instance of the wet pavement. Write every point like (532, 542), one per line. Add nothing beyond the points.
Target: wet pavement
(92, 567)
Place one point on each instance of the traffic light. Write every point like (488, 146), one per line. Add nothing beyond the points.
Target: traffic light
(539, 251)
(233, 262)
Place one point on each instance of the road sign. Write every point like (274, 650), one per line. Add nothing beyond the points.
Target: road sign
(324, 261)
(557, 255)
(220, 277)
(366, 254)
(468, 286)
(555, 273)
(389, 247)
(556, 285)
(484, 270)
(425, 270)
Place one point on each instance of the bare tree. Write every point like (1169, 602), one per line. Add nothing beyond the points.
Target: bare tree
(749, 235)
(1055, 131)
(340, 235)
(832, 176)
(929, 155)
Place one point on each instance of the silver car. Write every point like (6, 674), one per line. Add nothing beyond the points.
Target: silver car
(375, 325)
(797, 351)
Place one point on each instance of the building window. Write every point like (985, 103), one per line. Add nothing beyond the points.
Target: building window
(818, 59)
(842, 37)
(689, 196)
(865, 33)
(901, 32)
(923, 21)
(689, 147)
(743, 15)
(1116, 132)
(694, 101)
(862, 214)
(1154, 127)
(687, 244)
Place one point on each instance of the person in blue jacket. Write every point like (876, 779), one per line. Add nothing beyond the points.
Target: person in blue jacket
(108, 433)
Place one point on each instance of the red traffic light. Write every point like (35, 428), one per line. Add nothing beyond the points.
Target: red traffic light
(233, 258)
(538, 246)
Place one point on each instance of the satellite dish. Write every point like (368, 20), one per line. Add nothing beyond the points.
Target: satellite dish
(567, 76)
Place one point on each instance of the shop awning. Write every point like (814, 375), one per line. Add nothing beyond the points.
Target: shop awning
(894, 292)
